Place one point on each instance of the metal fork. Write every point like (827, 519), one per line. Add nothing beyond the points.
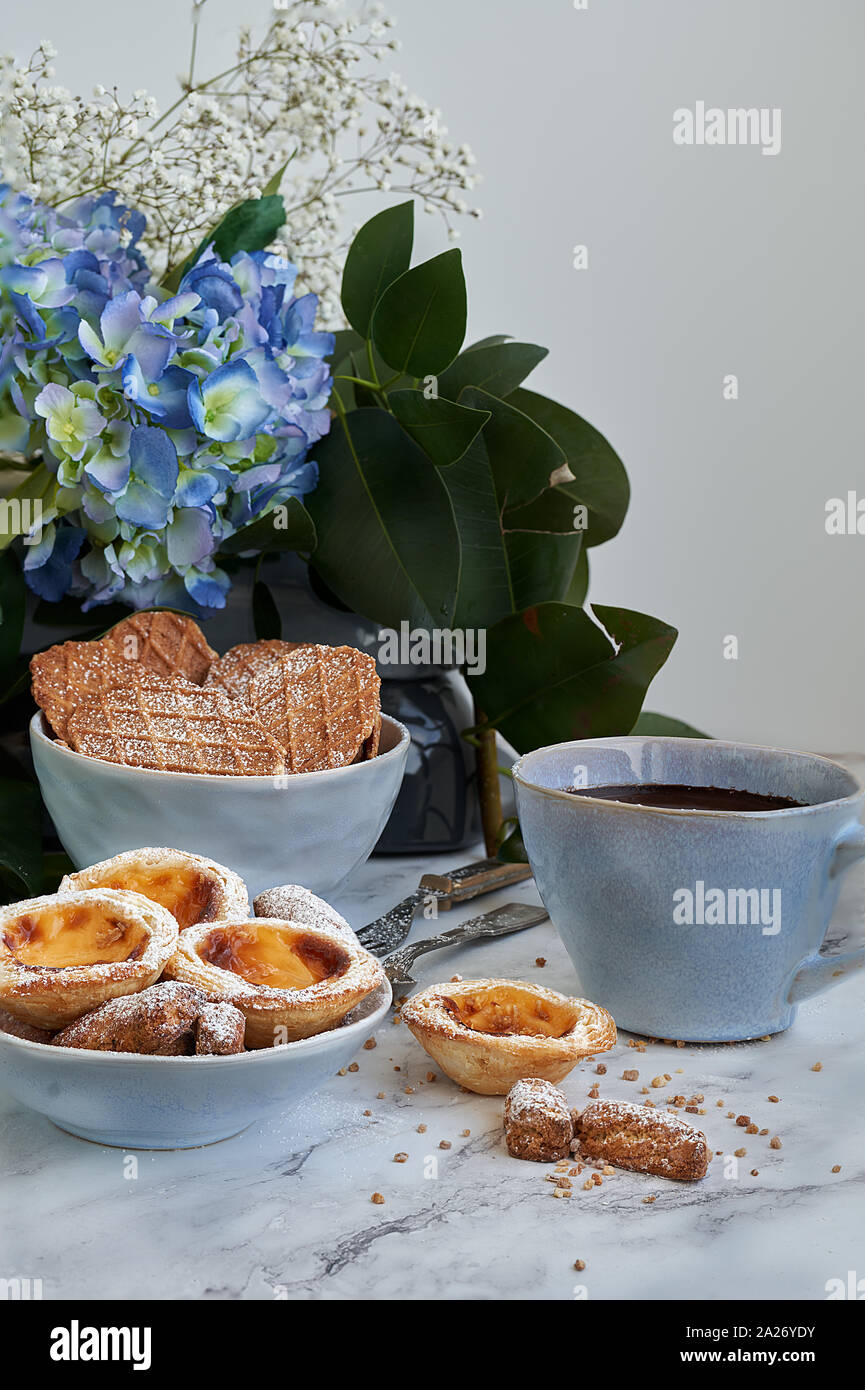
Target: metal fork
(446, 890)
(501, 921)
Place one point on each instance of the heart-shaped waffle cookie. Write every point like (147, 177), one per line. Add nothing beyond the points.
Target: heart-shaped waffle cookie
(171, 644)
(173, 727)
(320, 703)
(237, 669)
(65, 675)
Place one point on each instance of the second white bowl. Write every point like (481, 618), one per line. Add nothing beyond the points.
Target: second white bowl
(313, 828)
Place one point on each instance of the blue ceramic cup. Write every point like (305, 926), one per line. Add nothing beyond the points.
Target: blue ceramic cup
(695, 925)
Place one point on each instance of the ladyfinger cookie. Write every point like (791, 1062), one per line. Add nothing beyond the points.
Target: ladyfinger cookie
(638, 1137)
(538, 1123)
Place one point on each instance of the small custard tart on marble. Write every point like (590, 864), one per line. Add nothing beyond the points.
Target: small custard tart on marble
(289, 980)
(66, 953)
(488, 1034)
(193, 889)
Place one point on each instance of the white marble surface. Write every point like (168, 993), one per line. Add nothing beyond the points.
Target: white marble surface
(284, 1210)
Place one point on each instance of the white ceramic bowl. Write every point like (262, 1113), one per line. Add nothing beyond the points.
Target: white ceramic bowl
(313, 828)
(136, 1102)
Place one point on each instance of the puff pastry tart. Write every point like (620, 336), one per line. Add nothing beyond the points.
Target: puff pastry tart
(62, 955)
(290, 980)
(488, 1034)
(192, 888)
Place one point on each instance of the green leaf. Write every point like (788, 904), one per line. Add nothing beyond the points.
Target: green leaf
(420, 322)
(523, 456)
(511, 557)
(12, 602)
(664, 725)
(495, 367)
(511, 849)
(543, 549)
(579, 586)
(387, 542)
(443, 429)
(552, 674)
(288, 526)
(20, 839)
(600, 481)
(37, 485)
(345, 343)
(265, 614)
(493, 339)
(248, 226)
(379, 254)
(273, 183)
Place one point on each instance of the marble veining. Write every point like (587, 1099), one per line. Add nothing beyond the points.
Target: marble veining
(284, 1210)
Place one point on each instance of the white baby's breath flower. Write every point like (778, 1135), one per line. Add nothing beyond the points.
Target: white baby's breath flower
(308, 92)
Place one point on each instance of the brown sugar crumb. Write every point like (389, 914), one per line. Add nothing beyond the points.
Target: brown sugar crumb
(739, 1153)
(367, 1112)
(342, 1072)
(644, 1090)
(541, 961)
(630, 1076)
(408, 1090)
(400, 1158)
(579, 1265)
(378, 1199)
(560, 1192)
(597, 1180)
(755, 1172)
(751, 1129)
(353, 1066)
(837, 1168)
(697, 1098)
(775, 1142)
(593, 1093)
(680, 1044)
(563, 1182)
(379, 1095)
(720, 1104)
(588, 1185)
(647, 1201)
(607, 1171)
(421, 1129)
(445, 1144)
(818, 1066)
(773, 1099)
(600, 1069)
(743, 1120)
(431, 1076)
(370, 1044)
(731, 1114)
(465, 1133)
(660, 1080)
(456, 979)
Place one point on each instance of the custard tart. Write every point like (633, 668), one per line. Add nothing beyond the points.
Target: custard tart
(488, 1034)
(192, 888)
(64, 954)
(290, 980)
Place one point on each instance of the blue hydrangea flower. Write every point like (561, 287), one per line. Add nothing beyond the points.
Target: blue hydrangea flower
(169, 422)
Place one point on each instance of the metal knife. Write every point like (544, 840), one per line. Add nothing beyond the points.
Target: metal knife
(386, 933)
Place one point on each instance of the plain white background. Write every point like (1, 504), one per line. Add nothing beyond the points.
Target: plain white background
(702, 262)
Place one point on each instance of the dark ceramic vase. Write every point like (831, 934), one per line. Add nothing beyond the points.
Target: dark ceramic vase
(437, 808)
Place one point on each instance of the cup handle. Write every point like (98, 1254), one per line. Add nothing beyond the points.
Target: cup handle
(820, 972)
